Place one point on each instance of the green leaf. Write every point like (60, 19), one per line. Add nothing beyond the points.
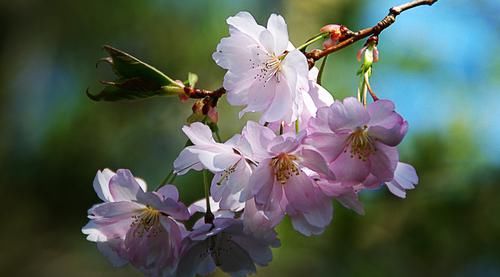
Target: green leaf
(136, 79)
(192, 79)
(128, 66)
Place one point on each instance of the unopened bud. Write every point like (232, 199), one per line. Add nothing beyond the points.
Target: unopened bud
(335, 32)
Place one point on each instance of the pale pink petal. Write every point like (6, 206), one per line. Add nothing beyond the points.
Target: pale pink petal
(116, 210)
(123, 186)
(321, 215)
(198, 133)
(301, 225)
(277, 26)
(187, 160)
(284, 145)
(406, 175)
(168, 191)
(314, 161)
(319, 123)
(262, 176)
(300, 192)
(390, 137)
(384, 161)
(350, 170)
(396, 189)
(330, 145)
(347, 115)
(101, 184)
(245, 23)
(279, 108)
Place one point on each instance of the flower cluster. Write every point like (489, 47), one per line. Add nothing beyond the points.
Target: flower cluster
(306, 150)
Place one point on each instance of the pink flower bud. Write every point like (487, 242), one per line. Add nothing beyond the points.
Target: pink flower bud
(213, 114)
(335, 32)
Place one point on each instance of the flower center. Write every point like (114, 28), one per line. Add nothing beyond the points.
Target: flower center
(284, 167)
(268, 68)
(148, 221)
(362, 145)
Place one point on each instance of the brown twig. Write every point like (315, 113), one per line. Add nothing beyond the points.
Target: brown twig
(387, 21)
(316, 54)
(197, 93)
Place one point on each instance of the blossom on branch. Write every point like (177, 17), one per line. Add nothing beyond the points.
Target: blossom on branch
(265, 72)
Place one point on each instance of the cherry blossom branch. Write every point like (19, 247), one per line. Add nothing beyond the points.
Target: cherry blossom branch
(197, 93)
(316, 54)
(352, 37)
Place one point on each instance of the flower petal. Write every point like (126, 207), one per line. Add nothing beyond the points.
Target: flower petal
(277, 26)
(187, 160)
(168, 191)
(349, 114)
(245, 23)
(101, 184)
(198, 133)
(314, 161)
(123, 186)
(384, 161)
(330, 145)
(350, 170)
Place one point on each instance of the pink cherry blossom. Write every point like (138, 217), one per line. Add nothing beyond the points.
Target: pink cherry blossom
(281, 186)
(358, 142)
(265, 72)
(224, 243)
(231, 162)
(134, 226)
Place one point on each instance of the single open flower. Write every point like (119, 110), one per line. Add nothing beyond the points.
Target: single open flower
(265, 72)
(281, 186)
(134, 226)
(358, 142)
(231, 162)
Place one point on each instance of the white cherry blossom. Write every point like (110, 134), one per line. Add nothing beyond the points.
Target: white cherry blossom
(265, 73)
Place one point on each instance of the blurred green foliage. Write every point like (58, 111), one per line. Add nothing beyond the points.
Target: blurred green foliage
(53, 140)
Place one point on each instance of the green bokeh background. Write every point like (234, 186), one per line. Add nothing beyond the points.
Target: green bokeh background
(53, 138)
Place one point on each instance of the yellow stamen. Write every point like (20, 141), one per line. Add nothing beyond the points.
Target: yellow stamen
(284, 167)
(362, 145)
(148, 221)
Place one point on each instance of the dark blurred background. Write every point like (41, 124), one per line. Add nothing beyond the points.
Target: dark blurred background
(439, 64)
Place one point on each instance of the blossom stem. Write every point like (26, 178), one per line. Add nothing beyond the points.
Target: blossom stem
(321, 69)
(209, 216)
(313, 40)
(367, 83)
(218, 135)
(167, 180)
(297, 126)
